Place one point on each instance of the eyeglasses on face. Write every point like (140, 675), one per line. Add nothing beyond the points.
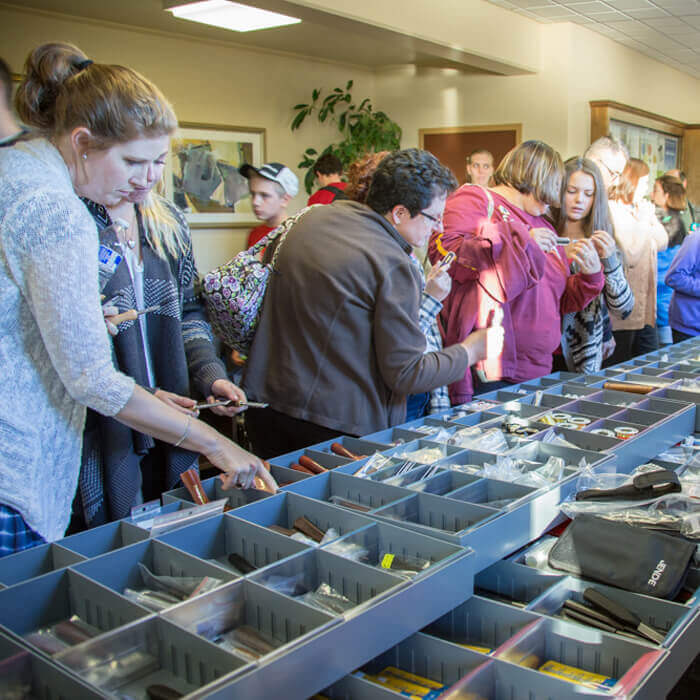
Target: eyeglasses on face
(614, 174)
(435, 219)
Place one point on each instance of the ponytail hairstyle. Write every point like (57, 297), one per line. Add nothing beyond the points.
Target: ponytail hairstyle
(62, 89)
(598, 218)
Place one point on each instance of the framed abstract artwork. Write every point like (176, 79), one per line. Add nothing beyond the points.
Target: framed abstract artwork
(202, 178)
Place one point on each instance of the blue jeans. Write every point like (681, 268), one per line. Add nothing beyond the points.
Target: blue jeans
(416, 406)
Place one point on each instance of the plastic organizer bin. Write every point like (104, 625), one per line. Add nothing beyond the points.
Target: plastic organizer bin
(583, 440)
(59, 595)
(422, 444)
(513, 583)
(590, 409)
(284, 621)
(481, 624)
(493, 493)
(499, 680)
(284, 508)
(105, 538)
(422, 655)
(150, 652)
(640, 417)
(119, 569)
(621, 399)
(27, 675)
(328, 460)
(672, 394)
(444, 482)
(214, 539)
(395, 436)
(361, 447)
(381, 538)
(362, 585)
(36, 561)
(661, 614)
(365, 493)
(215, 491)
(590, 650)
(435, 516)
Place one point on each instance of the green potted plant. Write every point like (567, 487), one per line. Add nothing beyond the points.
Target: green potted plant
(362, 129)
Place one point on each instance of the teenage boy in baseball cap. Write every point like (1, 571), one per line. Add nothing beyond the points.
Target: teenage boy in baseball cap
(272, 187)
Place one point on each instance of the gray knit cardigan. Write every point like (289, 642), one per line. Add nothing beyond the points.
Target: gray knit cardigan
(55, 354)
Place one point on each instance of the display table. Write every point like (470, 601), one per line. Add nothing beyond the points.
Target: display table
(472, 533)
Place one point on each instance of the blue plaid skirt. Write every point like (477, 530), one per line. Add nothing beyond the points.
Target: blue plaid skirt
(15, 534)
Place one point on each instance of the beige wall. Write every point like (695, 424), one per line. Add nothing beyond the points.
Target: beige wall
(207, 82)
(214, 83)
(577, 66)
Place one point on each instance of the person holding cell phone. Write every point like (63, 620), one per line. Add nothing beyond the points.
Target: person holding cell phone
(508, 258)
(94, 120)
(583, 214)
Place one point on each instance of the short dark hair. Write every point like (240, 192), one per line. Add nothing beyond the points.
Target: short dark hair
(328, 164)
(410, 177)
(6, 81)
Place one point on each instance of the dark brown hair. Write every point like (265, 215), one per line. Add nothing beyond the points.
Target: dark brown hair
(62, 90)
(634, 171)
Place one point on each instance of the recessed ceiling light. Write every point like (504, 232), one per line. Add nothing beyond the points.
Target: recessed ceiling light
(231, 15)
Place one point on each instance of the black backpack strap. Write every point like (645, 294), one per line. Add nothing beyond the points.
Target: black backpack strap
(339, 194)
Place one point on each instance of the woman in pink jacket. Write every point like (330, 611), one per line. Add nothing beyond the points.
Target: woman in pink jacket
(508, 257)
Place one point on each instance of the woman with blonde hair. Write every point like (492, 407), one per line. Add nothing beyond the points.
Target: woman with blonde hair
(169, 350)
(639, 236)
(508, 259)
(101, 126)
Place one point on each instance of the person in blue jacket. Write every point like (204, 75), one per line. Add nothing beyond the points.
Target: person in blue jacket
(684, 278)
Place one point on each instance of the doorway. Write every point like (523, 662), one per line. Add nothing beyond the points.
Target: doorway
(452, 145)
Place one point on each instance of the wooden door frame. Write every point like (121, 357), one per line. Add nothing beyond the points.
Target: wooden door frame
(518, 128)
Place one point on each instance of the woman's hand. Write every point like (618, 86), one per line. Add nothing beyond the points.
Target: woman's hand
(604, 244)
(240, 468)
(585, 255)
(485, 343)
(545, 238)
(438, 283)
(184, 404)
(608, 348)
(224, 389)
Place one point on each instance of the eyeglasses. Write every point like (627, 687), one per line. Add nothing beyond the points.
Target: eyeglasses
(435, 219)
(614, 174)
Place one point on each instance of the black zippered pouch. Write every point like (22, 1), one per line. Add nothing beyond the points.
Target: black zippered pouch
(632, 558)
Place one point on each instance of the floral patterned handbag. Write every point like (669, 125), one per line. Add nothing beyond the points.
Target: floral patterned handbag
(234, 292)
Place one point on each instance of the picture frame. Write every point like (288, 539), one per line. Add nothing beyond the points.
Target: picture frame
(201, 173)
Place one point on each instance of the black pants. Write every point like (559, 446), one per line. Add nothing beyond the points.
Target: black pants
(678, 336)
(272, 433)
(629, 344)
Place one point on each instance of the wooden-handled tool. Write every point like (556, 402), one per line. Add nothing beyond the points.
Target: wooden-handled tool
(131, 314)
(631, 388)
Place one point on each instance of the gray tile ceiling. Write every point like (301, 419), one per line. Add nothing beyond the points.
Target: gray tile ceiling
(667, 30)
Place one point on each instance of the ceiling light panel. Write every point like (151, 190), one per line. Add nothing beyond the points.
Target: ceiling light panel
(231, 15)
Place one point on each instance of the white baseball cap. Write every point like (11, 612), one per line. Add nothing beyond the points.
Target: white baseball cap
(277, 172)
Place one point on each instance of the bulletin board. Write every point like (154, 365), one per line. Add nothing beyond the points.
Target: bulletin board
(659, 150)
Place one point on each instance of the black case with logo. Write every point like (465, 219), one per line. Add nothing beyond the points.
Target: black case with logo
(632, 558)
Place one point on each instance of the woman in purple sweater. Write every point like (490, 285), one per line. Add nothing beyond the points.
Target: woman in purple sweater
(684, 278)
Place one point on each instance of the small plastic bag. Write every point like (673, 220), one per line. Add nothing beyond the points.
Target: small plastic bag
(403, 565)
(442, 436)
(349, 550)
(155, 601)
(426, 455)
(328, 599)
(247, 642)
(551, 437)
(538, 555)
(287, 585)
(376, 462)
(179, 586)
